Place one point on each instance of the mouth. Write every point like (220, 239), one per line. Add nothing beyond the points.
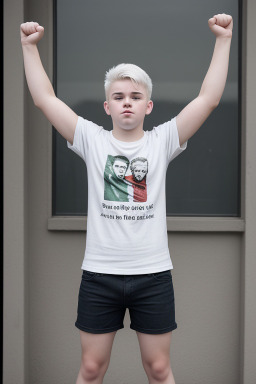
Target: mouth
(127, 112)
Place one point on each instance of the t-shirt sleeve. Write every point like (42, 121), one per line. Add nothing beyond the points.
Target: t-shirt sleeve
(170, 136)
(85, 134)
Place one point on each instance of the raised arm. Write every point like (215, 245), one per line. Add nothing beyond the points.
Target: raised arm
(57, 112)
(190, 119)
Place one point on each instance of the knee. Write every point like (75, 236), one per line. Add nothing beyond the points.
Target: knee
(159, 370)
(92, 369)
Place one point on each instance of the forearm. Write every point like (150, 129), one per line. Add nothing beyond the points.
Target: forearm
(38, 82)
(215, 79)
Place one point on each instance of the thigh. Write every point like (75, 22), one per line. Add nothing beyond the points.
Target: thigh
(152, 305)
(100, 308)
(97, 347)
(154, 347)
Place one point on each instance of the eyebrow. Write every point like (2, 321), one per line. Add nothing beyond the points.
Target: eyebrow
(121, 93)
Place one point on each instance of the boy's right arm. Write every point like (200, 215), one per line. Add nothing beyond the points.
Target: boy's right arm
(57, 112)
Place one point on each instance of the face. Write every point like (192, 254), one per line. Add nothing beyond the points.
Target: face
(140, 170)
(119, 168)
(127, 104)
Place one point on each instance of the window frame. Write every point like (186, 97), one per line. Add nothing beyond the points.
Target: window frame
(177, 223)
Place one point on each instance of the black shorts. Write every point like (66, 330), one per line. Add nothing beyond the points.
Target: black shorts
(103, 299)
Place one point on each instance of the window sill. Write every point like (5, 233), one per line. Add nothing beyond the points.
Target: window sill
(174, 224)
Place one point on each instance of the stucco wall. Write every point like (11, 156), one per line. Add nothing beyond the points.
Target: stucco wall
(213, 271)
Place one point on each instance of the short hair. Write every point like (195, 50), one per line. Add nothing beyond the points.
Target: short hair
(141, 159)
(122, 158)
(128, 71)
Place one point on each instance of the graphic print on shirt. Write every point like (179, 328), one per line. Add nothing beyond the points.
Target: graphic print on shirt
(125, 180)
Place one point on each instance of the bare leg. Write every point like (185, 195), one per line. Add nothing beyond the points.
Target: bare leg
(155, 354)
(96, 351)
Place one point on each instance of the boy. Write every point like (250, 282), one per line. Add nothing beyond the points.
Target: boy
(127, 262)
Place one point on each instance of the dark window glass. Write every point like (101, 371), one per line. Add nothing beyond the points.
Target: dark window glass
(171, 41)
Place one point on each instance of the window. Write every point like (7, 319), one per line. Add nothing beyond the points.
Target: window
(171, 41)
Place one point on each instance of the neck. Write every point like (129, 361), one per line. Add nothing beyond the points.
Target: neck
(128, 135)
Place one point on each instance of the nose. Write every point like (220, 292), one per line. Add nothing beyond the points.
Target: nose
(127, 101)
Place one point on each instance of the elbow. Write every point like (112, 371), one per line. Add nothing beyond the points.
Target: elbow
(37, 104)
(42, 99)
(214, 101)
(42, 102)
(210, 102)
(215, 104)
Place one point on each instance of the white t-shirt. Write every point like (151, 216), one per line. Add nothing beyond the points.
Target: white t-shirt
(126, 222)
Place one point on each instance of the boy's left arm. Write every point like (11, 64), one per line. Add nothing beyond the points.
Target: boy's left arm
(190, 119)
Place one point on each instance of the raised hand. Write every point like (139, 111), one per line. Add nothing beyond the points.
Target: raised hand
(221, 25)
(31, 33)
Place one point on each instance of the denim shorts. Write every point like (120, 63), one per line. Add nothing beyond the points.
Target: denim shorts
(103, 299)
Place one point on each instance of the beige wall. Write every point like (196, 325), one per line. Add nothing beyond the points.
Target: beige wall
(214, 260)
(15, 344)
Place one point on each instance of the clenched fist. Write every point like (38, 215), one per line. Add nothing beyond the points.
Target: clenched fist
(31, 33)
(221, 25)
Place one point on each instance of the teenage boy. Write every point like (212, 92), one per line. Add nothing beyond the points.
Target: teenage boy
(127, 262)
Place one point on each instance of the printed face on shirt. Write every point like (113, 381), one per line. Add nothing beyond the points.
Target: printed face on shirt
(127, 104)
(139, 170)
(120, 168)
(125, 180)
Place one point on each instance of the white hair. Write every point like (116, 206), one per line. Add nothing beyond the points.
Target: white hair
(128, 71)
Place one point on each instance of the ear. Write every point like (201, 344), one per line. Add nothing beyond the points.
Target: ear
(106, 107)
(149, 107)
